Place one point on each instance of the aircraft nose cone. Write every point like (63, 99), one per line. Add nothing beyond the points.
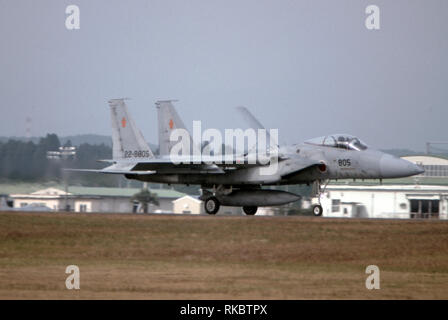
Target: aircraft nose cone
(418, 169)
(392, 167)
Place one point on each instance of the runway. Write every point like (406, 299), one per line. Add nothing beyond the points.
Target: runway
(159, 256)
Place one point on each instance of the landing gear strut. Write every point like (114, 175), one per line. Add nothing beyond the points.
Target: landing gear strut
(250, 211)
(318, 190)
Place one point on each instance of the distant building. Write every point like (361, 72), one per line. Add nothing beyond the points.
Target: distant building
(422, 196)
(92, 199)
(385, 201)
(188, 204)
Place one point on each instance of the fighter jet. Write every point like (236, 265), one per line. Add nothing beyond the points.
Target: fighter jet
(236, 181)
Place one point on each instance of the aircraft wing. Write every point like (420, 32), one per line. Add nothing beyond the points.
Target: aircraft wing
(140, 172)
(243, 160)
(153, 166)
(177, 165)
(193, 164)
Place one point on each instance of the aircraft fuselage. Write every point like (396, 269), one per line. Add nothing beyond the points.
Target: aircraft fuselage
(336, 164)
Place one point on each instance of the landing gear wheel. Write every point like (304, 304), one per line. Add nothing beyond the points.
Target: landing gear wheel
(250, 211)
(211, 205)
(317, 210)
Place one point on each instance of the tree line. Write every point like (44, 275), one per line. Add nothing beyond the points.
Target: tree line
(28, 161)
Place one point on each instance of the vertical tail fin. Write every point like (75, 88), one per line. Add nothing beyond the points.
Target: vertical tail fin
(168, 121)
(127, 140)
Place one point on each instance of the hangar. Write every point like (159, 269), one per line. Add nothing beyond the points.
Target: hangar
(386, 201)
(422, 196)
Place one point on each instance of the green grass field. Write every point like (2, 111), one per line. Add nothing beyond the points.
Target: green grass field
(213, 257)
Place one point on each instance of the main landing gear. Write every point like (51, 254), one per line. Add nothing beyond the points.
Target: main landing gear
(250, 211)
(212, 204)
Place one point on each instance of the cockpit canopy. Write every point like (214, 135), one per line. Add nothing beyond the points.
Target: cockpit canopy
(343, 141)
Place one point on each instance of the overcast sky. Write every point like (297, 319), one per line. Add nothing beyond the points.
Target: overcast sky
(308, 68)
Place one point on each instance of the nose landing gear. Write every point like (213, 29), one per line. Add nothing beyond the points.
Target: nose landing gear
(317, 210)
(317, 192)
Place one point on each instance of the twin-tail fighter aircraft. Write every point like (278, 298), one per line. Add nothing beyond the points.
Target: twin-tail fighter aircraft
(238, 181)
